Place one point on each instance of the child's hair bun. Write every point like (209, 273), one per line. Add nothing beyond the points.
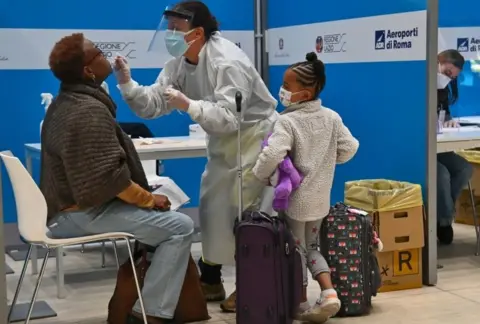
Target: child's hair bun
(311, 57)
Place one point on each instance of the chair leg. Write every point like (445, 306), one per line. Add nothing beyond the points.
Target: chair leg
(37, 286)
(475, 219)
(60, 269)
(20, 282)
(139, 291)
(103, 254)
(115, 252)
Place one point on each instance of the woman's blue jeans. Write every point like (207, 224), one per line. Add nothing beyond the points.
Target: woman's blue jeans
(453, 174)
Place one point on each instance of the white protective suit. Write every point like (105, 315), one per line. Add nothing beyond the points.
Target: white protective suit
(222, 70)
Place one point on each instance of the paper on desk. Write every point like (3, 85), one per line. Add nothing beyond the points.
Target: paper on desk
(460, 129)
(169, 188)
(151, 141)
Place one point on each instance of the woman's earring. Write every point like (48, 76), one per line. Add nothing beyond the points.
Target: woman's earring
(93, 78)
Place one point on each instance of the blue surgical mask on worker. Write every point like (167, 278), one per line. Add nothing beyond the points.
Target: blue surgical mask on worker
(176, 43)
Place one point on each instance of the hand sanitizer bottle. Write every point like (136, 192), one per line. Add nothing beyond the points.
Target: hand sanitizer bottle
(46, 101)
(440, 121)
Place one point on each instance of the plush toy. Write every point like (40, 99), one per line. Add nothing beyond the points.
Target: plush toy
(289, 179)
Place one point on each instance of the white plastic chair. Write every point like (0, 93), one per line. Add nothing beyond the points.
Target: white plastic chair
(32, 219)
(475, 219)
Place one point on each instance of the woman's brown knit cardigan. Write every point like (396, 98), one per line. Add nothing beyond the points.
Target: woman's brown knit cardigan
(87, 160)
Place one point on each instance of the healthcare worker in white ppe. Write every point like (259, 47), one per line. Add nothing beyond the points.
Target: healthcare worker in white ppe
(201, 79)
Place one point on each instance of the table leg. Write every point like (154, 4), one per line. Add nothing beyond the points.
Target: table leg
(3, 279)
(60, 274)
(475, 219)
(34, 258)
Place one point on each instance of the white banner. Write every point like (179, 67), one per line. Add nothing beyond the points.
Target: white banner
(29, 49)
(397, 37)
(466, 40)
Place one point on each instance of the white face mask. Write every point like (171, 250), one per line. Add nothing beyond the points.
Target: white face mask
(285, 97)
(442, 80)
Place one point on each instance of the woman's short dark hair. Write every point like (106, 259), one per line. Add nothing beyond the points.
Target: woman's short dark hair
(452, 56)
(457, 60)
(67, 58)
(202, 17)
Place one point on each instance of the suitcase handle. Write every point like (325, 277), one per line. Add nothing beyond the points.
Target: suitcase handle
(238, 102)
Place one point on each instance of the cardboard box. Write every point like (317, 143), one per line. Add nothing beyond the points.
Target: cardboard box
(475, 180)
(400, 269)
(464, 212)
(400, 229)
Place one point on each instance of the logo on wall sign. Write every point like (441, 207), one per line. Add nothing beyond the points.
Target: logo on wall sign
(109, 49)
(465, 44)
(462, 45)
(334, 43)
(395, 39)
(319, 44)
(280, 53)
(379, 39)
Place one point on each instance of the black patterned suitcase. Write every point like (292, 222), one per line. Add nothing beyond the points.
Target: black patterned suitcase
(347, 243)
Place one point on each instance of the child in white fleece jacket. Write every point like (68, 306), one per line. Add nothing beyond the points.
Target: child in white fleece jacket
(316, 139)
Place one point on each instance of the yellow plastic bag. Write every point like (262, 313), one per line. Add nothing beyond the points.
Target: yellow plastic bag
(382, 195)
(472, 156)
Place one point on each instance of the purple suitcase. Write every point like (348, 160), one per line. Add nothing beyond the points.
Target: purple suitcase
(268, 264)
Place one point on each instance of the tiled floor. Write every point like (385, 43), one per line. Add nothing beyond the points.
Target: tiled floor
(455, 298)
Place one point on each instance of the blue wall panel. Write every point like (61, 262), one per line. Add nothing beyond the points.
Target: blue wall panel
(284, 13)
(459, 13)
(91, 14)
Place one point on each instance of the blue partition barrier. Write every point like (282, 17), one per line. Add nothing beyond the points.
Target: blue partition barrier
(375, 55)
(459, 28)
(28, 34)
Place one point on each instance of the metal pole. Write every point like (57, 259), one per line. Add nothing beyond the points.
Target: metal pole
(258, 34)
(265, 70)
(430, 251)
(261, 55)
(3, 279)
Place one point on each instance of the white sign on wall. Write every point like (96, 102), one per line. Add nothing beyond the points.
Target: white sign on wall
(466, 40)
(397, 37)
(29, 49)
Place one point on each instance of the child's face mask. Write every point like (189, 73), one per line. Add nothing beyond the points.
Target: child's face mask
(285, 97)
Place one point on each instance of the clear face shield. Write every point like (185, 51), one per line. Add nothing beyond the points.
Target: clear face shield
(171, 31)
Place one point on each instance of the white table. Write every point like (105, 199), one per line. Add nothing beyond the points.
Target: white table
(457, 140)
(162, 149)
(469, 119)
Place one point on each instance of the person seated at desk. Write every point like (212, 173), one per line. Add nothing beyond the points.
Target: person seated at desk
(93, 181)
(453, 171)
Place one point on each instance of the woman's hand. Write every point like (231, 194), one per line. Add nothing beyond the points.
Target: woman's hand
(162, 202)
(451, 124)
(176, 98)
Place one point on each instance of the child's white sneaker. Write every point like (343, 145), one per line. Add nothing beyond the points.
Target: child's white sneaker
(302, 309)
(327, 306)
